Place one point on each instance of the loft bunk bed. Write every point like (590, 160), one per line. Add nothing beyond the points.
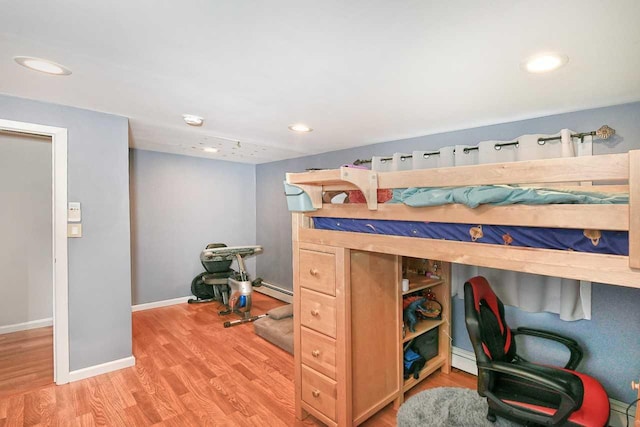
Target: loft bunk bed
(614, 269)
(347, 293)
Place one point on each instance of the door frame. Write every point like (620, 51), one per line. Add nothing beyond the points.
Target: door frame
(60, 256)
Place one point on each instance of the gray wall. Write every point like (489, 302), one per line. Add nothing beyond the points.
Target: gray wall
(99, 262)
(610, 338)
(26, 260)
(179, 204)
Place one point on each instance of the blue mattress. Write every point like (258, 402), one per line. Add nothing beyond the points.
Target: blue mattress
(603, 242)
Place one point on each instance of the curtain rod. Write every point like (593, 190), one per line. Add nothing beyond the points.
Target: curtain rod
(604, 132)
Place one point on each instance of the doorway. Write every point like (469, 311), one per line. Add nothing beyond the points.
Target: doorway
(26, 262)
(35, 272)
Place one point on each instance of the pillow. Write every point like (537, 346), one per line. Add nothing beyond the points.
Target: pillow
(281, 312)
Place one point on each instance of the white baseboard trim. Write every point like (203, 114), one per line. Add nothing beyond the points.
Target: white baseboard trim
(103, 368)
(267, 289)
(466, 361)
(618, 418)
(25, 326)
(275, 291)
(163, 303)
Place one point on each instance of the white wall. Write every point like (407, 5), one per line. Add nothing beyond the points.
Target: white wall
(26, 285)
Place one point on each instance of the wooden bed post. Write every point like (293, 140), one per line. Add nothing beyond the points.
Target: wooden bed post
(297, 222)
(366, 181)
(634, 208)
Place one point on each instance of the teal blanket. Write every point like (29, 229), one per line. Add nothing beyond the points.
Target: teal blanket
(500, 195)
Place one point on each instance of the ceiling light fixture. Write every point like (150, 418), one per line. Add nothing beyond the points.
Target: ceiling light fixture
(300, 127)
(192, 120)
(42, 65)
(545, 62)
(210, 149)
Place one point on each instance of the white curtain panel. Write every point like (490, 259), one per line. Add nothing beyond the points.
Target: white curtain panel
(381, 164)
(442, 158)
(570, 299)
(402, 162)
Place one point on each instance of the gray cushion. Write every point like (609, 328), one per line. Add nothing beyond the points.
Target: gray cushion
(278, 332)
(281, 312)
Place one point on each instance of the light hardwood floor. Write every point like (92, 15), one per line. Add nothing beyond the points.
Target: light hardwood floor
(26, 360)
(189, 371)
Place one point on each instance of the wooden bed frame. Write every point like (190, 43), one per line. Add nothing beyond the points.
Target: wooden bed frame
(609, 269)
(325, 261)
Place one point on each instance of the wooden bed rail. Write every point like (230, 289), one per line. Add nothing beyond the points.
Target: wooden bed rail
(590, 217)
(601, 268)
(609, 167)
(589, 168)
(634, 209)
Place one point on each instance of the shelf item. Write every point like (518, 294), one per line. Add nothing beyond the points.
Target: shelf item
(429, 368)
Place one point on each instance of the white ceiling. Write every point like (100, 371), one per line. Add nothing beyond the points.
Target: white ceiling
(357, 71)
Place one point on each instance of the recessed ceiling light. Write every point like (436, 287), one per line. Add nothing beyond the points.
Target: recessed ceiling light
(210, 149)
(192, 120)
(42, 65)
(545, 62)
(300, 127)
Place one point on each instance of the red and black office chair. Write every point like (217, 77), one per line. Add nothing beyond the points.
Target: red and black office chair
(517, 389)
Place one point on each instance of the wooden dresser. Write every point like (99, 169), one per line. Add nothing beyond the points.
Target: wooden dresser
(348, 332)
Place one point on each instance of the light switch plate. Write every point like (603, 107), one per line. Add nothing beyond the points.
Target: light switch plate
(74, 230)
(74, 213)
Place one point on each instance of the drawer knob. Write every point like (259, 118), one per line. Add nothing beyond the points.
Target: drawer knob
(315, 312)
(313, 272)
(316, 393)
(315, 353)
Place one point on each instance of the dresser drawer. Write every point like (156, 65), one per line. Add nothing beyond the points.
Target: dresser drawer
(319, 352)
(318, 271)
(318, 312)
(319, 392)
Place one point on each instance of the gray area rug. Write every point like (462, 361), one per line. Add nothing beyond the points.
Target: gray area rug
(447, 406)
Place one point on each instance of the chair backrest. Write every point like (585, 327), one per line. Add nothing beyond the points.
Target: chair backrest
(484, 316)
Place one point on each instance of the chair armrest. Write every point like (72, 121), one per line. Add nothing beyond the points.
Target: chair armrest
(567, 385)
(572, 345)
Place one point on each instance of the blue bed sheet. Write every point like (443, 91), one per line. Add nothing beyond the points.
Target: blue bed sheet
(500, 195)
(595, 241)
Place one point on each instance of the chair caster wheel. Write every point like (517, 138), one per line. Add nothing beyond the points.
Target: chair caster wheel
(491, 417)
(227, 324)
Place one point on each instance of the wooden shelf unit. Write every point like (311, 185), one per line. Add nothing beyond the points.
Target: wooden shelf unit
(441, 287)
